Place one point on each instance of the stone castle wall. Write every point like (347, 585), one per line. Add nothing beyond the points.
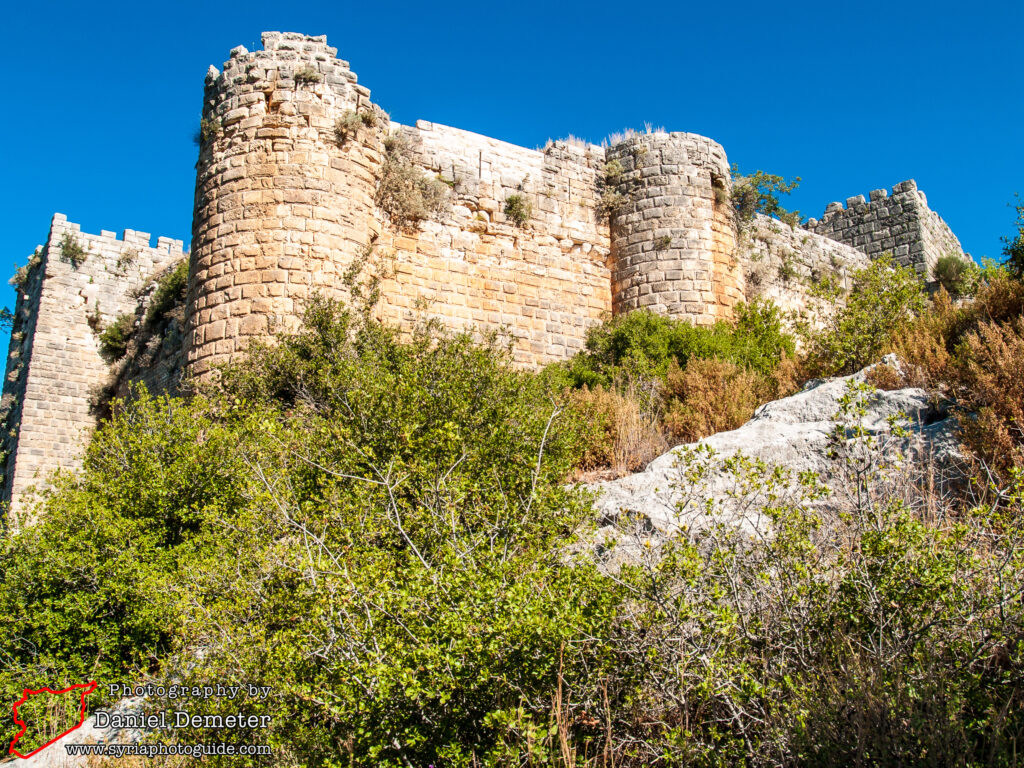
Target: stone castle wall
(784, 264)
(286, 207)
(899, 223)
(544, 282)
(54, 366)
(672, 235)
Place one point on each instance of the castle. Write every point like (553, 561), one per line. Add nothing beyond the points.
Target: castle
(302, 181)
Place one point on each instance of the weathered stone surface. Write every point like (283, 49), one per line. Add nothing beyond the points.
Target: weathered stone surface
(54, 364)
(900, 224)
(792, 432)
(56, 755)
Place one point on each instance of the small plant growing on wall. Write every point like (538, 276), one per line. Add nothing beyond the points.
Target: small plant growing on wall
(169, 290)
(94, 318)
(209, 129)
(307, 75)
(663, 243)
(20, 277)
(610, 203)
(518, 209)
(347, 126)
(115, 337)
(786, 270)
(404, 192)
(127, 257)
(613, 171)
(72, 251)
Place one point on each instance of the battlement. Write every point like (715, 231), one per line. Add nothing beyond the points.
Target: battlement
(900, 223)
(53, 362)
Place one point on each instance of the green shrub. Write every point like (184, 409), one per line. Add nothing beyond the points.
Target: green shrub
(645, 343)
(885, 297)
(404, 192)
(170, 289)
(957, 275)
(72, 251)
(759, 193)
(518, 208)
(115, 337)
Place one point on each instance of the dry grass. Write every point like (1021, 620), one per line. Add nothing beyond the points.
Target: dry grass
(709, 396)
(992, 378)
(626, 428)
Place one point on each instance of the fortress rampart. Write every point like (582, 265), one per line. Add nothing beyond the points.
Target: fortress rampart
(899, 223)
(542, 244)
(54, 365)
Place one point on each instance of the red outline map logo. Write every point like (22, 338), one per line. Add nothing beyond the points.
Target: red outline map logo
(86, 689)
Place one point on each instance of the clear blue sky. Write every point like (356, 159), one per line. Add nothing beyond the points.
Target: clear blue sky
(102, 99)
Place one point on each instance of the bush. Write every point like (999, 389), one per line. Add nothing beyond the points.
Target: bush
(347, 126)
(115, 337)
(126, 524)
(170, 289)
(991, 394)
(709, 396)
(623, 426)
(404, 193)
(885, 298)
(759, 193)
(957, 275)
(645, 343)
(72, 251)
(518, 208)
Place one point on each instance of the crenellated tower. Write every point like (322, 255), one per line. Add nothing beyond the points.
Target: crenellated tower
(283, 205)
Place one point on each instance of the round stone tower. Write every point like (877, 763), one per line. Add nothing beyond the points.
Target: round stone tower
(283, 202)
(673, 236)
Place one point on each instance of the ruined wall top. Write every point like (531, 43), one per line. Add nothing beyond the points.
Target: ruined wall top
(900, 223)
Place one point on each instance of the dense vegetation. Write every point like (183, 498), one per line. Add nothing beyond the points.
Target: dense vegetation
(379, 528)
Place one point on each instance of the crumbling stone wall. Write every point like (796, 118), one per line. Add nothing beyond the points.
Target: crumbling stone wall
(54, 365)
(784, 264)
(899, 223)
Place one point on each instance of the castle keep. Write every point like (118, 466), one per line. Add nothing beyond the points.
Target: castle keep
(300, 185)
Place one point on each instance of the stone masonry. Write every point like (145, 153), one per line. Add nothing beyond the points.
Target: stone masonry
(54, 365)
(900, 224)
(286, 206)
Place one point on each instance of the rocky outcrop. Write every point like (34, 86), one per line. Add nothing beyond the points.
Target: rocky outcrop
(795, 433)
